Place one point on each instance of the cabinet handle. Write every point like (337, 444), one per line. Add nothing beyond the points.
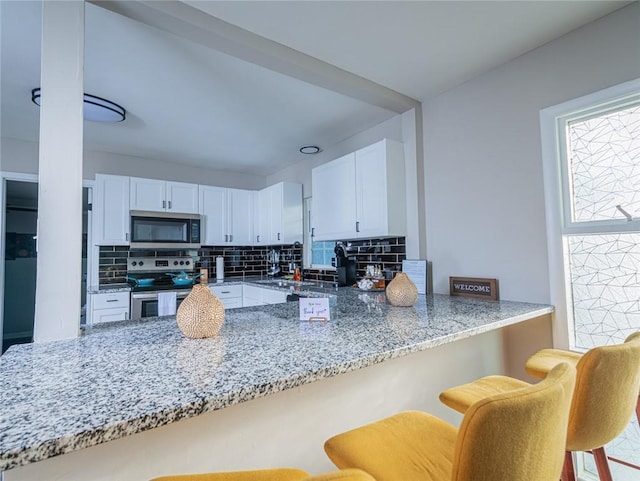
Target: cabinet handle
(169, 205)
(126, 236)
(225, 292)
(278, 235)
(164, 204)
(357, 226)
(313, 232)
(112, 300)
(257, 238)
(230, 237)
(226, 238)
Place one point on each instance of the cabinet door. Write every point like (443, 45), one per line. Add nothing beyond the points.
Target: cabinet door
(290, 213)
(182, 197)
(270, 296)
(334, 200)
(240, 216)
(109, 315)
(276, 233)
(213, 208)
(111, 210)
(371, 191)
(264, 217)
(148, 194)
(251, 296)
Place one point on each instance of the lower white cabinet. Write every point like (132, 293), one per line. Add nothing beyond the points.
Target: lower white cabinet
(260, 296)
(107, 307)
(231, 296)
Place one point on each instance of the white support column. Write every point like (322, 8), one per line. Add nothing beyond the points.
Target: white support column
(57, 314)
(413, 164)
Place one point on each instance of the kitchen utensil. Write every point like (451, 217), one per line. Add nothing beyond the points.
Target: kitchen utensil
(141, 282)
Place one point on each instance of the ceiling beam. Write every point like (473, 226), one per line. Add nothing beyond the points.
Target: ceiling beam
(190, 23)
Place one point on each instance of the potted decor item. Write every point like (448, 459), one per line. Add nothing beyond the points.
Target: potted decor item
(401, 291)
(201, 314)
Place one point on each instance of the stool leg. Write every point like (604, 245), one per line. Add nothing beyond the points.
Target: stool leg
(568, 473)
(602, 464)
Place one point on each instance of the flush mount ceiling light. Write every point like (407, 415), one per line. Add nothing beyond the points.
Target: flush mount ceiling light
(96, 109)
(309, 149)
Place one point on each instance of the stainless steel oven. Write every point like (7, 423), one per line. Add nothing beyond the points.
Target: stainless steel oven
(152, 275)
(145, 304)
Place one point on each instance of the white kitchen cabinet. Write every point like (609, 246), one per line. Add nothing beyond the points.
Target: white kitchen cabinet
(279, 214)
(360, 195)
(163, 196)
(230, 296)
(333, 212)
(261, 296)
(107, 307)
(241, 216)
(270, 296)
(110, 210)
(227, 215)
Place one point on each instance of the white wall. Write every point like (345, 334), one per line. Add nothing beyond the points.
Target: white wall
(485, 212)
(301, 171)
(22, 156)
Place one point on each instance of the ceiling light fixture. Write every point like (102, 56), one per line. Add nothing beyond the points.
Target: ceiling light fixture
(95, 109)
(309, 149)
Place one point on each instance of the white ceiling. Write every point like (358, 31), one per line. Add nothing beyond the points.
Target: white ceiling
(190, 103)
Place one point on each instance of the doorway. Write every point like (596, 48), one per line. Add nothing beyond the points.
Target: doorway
(20, 260)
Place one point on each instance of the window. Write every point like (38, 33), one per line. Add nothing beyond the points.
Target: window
(591, 148)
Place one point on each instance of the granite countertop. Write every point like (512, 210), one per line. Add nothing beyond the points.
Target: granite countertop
(124, 378)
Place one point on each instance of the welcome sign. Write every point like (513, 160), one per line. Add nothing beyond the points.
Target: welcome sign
(474, 287)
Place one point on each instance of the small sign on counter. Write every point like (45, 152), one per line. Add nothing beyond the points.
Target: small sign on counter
(416, 270)
(314, 309)
(474, 287)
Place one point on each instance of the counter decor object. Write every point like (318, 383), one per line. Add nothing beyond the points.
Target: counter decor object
(401, 291)
(201, 314)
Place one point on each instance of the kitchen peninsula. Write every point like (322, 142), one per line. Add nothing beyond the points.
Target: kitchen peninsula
(145, 401)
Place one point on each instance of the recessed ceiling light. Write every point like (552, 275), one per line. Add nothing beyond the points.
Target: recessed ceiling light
(309, 149)
(96, 109)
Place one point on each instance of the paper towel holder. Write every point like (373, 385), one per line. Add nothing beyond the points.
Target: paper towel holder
(219, 269)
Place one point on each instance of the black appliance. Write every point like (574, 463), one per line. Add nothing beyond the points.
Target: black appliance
(164, 230)
(345, 266)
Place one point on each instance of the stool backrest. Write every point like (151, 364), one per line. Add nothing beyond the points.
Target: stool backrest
(343, 475)
(517, 436)
(606, 393)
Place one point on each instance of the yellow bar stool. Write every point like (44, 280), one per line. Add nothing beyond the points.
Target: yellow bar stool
(283, 474)
(495, 442)
(607, 388)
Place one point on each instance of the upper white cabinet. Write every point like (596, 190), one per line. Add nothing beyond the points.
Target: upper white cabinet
(227, 215)
(163, 196)
(111, 210)
(279, 214)
(333, 212)
(360, 195)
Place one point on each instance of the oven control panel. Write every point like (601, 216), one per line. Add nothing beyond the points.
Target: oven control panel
(160, 264)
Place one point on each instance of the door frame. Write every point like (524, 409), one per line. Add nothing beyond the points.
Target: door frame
(91, 251)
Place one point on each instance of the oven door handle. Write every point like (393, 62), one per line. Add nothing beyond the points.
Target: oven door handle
(144, 296)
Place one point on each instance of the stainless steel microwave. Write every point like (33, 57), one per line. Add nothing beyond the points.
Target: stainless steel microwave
(165, 230)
